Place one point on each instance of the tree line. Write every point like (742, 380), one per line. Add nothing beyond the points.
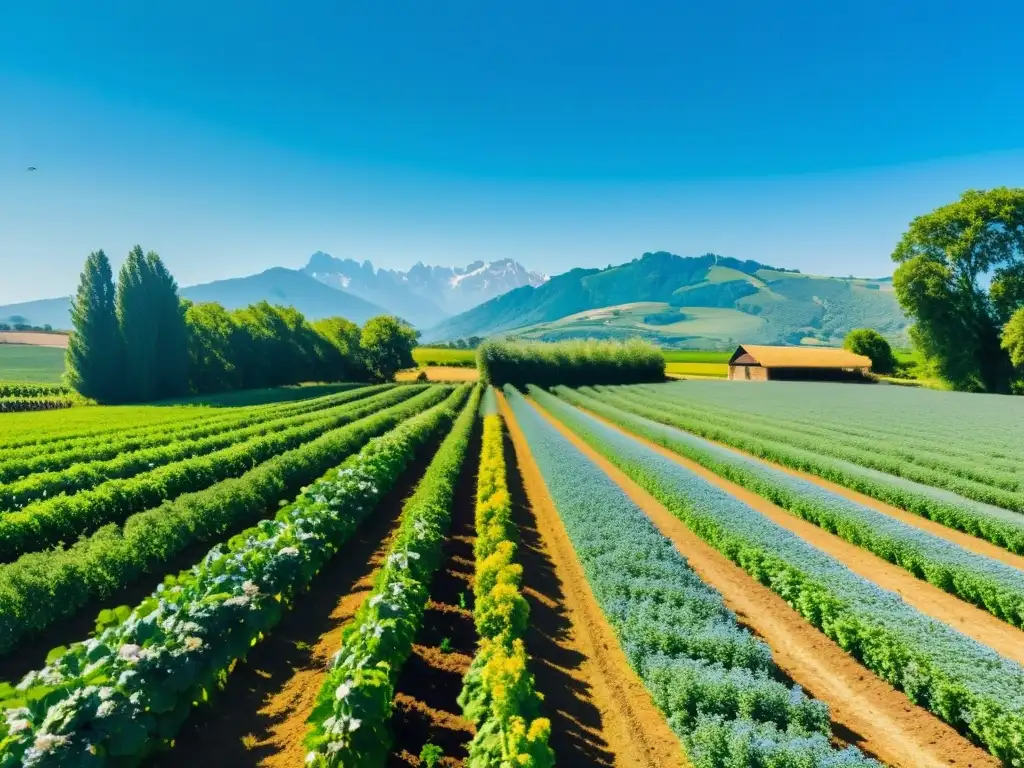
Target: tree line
(961, 280)
(138, 341)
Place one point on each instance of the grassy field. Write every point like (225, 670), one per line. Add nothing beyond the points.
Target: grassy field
(29, 363)
(442, 356)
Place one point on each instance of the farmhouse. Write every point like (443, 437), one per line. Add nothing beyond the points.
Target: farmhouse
(751, 362)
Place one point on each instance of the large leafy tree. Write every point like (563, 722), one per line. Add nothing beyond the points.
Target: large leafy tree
(344, 336)
(95, 354)
(1013, 338)
(213, 348)
(961, 277)
(872, 344)
(387, 345)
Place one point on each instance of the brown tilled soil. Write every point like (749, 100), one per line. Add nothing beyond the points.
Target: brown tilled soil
(928, 599)
(260, 716)
(866, 711)
(34, 338)
(426, 709)
(600, 713)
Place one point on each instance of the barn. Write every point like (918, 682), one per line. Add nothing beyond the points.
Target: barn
(752, 362)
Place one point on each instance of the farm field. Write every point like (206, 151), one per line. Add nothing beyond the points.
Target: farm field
(683, 574)
(27, 363)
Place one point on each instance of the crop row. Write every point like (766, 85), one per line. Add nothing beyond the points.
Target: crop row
(26, 389)
(966, 684)
(41, 588)
(938, 417)
(498, 694)
(894, 434)
(128, 462)
(706, 673)
(98, 423)
(350, 723)
(63, 518)
(24, 404)
(987, 583)
(971, 480)
(997, 525)
(958, 459)
(124, 692)
(30, 460)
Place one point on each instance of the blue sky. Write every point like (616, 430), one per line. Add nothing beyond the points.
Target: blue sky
(235, 136)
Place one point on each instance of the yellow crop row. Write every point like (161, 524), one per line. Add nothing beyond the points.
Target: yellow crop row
(498, 693)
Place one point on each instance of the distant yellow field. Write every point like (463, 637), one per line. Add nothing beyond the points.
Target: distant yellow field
(716, 370)
(439, 373)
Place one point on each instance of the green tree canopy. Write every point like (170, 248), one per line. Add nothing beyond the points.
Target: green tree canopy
(138, 315)
(1013, 338)
(213, 348)
(870, 343)
(344, 336)
(387, 345)
(961, 277)
(95, 355)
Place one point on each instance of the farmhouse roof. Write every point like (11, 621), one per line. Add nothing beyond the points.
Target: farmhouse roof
(797, 357)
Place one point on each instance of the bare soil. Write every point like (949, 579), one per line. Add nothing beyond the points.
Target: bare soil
(865, 710)
(601, 714)
(426, 708)
(34, 338)
(260, 716)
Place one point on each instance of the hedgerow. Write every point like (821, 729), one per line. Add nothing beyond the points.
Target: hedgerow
(122, 694)
(999, 526)
(28, 389)
(569, 362)
(24, 404)
(32, 459)
(987, 583)
(498, 694)
(349, 724)
(43, 587)
(963, 682)
(705, 672)
(62, 518)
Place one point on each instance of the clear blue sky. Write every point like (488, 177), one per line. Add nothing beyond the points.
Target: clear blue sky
(235, 136)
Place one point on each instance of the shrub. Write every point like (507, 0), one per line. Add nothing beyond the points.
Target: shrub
(870, 343)
(573, 363)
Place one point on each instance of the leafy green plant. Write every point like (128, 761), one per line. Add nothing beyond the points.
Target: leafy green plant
(446, 645)
(431, 755)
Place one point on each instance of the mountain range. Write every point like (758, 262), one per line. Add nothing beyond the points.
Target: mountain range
(425, 296)
(326, 286)
(687, 302)
(683, 302)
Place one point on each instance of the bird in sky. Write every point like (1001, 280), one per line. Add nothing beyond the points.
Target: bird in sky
(32, 168)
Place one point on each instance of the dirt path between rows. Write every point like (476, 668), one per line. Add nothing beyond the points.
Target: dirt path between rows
(426, 708)
(622, 725)
(974, 622)
(259, 719)
(868, 712)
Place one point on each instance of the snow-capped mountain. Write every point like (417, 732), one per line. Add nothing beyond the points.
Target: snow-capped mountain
(424, 295)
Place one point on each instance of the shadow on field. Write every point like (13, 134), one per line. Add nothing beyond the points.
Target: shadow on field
(575, 721)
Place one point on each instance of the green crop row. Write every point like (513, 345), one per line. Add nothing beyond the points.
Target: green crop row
(987, 583)
(715, 682)
(24, 404)
(964, 683)
(123, 693)
(498, 694)
(24, 389)
(43, 587)
(967, 479)
(127, 462)
(30, 460)
(63, 518)
(1003, 528)
(349, 724)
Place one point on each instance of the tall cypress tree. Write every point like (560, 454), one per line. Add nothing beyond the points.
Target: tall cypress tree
(172, 332)
(138, 316)
(95, 354)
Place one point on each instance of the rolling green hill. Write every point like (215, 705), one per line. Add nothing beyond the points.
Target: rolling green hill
(704, 302)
